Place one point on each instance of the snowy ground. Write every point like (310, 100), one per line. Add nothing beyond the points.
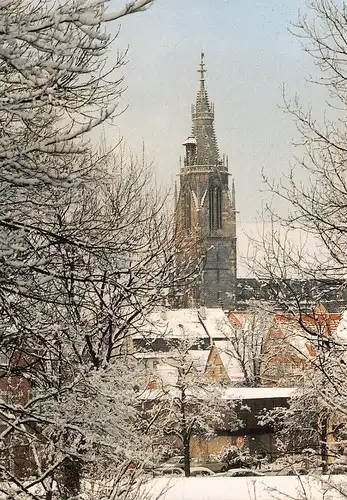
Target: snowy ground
(224, 488)
(245, 488)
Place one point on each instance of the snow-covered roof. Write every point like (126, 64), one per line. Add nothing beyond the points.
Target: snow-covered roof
(152, 355)
(167, 374)
(150, 395)
(215, 322)
(190, 140)
(231, 365)
(232, 393)
(199, 358)
(258, 392)
(297, 337)
(183, 323)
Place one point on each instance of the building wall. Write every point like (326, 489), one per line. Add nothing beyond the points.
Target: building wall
(15, 455)
(203, 448)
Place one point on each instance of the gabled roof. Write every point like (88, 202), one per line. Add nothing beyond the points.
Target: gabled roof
(321, 322)
(206, 327)
(231, 365)
(203, 360)
(199, 358)
(287, 327)
(237, 318)
(316, 322)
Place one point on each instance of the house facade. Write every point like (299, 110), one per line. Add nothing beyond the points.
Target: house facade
(285, 354)
(14, 391)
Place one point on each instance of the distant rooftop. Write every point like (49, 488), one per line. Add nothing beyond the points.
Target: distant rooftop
(258, 392)
(203, 323)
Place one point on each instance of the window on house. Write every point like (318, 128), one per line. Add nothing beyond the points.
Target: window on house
(219, 370)
(210, 370)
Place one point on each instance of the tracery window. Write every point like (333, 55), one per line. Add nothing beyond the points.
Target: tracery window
(215, 207)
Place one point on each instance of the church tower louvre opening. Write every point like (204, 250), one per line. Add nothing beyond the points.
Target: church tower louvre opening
(205, 208)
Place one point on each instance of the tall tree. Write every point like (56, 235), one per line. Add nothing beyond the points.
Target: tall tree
(315, 192)
(55, 88)
(69, 334)
(315, 187)
(314, 422)
(187, 403)
(85, 249)
(266, 347)
(249, 343)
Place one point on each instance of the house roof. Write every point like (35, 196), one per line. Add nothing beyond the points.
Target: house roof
(215, 321)
(321, 322)
(238, 393)
(189, 323)
(211, 326)
(258, 392)
(237, 317)
(231, 365)
(199, 357)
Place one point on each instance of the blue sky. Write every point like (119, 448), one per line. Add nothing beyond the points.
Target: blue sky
(249, 55)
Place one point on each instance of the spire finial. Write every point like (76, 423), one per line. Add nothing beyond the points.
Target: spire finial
(202, 69)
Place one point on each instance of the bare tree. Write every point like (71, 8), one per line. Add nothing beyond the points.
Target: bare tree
(316, 413)
(71, 328)
(55, 87)
(187, 402)
(304, 256)
(317, 206)
(85, 250)
(248, 343)
(264, 345)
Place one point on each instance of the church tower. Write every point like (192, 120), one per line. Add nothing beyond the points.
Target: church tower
(205, 208)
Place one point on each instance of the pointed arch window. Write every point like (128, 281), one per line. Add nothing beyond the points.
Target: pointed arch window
(187, 211)
(215, 207)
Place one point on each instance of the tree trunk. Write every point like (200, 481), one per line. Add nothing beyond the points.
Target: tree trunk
(186, 453)
(324, 444)
(186, 433)
(71, 479)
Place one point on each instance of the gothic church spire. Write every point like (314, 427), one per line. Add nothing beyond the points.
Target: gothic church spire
(205, 210)
(207, 153)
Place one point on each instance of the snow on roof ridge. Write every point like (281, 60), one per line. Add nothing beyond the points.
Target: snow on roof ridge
(258, 392)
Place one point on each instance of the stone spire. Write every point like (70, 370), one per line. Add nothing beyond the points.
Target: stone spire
(207, 153)
(205, 210)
